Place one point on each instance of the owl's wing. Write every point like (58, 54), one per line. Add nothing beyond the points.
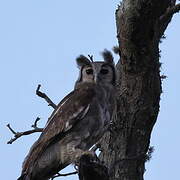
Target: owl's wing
(69, 111)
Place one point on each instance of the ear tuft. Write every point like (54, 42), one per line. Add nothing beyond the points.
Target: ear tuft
(82, 61)
(108, 57)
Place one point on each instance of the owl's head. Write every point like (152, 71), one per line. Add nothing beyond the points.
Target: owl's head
(99, 72)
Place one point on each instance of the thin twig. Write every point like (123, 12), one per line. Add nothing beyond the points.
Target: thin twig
(44, 96)
(35, 123)
(90, 57)
(19, 134)
(8, 125)
(67, 174)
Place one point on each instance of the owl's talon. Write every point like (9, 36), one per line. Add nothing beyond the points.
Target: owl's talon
(91, 155)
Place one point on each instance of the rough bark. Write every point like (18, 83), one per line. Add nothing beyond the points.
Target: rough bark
(139, 29)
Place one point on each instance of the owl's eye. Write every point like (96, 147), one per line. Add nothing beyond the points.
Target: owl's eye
(89, 71)
(104, 71)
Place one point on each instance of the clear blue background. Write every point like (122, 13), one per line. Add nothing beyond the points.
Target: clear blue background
(39, 41)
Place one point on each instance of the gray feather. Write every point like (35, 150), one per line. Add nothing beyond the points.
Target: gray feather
(108, 57)
(79, 121)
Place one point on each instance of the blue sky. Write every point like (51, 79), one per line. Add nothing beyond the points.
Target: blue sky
(39, 41)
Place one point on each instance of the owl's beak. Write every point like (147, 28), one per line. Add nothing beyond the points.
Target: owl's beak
(96, 69)
(96, 78)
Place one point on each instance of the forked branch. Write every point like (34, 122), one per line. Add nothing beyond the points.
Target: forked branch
(19, 134)
(170, 11)
(34, 126)
(166, 18)
(45, 97)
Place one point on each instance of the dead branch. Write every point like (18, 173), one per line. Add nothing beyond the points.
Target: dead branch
(19, 134)
(45, 97)
(166, 18)
(67, 174)
(170, 11)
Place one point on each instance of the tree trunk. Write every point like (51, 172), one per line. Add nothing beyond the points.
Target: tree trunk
(140, 25)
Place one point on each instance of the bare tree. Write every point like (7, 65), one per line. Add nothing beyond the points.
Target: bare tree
(140, 27)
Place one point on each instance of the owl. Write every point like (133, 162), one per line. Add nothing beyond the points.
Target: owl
(78, 122)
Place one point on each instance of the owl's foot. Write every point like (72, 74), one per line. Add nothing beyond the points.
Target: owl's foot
(90, 169)
(90, 155)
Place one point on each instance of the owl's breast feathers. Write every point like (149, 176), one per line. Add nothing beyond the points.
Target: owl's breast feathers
(65, 117)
